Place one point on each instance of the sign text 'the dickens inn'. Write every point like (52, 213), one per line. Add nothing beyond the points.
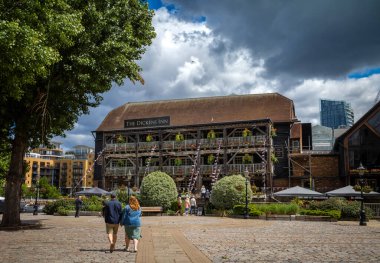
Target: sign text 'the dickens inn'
(147, 122)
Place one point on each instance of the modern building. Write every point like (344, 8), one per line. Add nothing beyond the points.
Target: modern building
(197, 141)
(361, 145)
(336, 114)
(64, 171)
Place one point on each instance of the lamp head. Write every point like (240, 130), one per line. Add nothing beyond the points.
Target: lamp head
(361, 169)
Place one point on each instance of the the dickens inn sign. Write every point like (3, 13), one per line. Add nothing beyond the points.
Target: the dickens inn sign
(147, 122)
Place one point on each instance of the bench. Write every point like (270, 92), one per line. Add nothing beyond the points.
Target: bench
(152, 209)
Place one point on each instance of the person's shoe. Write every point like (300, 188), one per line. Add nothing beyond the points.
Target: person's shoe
(112, 248)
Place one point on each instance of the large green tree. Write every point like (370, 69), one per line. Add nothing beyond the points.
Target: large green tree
(56, 59)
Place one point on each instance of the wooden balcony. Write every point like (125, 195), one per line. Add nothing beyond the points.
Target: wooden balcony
(119, 171)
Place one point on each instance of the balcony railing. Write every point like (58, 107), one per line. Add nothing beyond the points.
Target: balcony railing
(252, 141)
(186, 170)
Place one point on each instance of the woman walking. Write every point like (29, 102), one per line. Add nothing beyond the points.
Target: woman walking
(132, 223)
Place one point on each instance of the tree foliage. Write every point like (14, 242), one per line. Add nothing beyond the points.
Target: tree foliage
(56, 59)
(158, 189)
(229, 191)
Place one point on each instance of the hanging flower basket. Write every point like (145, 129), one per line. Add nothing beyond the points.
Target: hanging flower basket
(120, 139)
(273, 132)
(210, 159)
(177, 161)
(179, 137)
(246, 133)
(211, 135)
(247, 158)
(149, 138)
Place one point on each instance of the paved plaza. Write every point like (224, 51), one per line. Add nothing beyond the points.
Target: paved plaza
(194, 239)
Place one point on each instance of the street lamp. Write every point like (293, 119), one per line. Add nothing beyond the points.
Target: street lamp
(246, 173)
(129, 177)
(361, 183)
(35, 211)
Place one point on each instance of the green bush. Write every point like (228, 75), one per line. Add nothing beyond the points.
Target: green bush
(62, 211)
(279, 209)
(229, 191)
(352, 210)
(332, 213)
(158, 189)
(93, 203)
(51, 208)
(334, 203)
(252, 210)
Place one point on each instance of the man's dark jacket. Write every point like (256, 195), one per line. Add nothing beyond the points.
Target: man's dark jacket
(112, 212)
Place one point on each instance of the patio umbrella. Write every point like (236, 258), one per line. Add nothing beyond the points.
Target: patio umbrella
(93, 191)
(349, 191)
(298, 191)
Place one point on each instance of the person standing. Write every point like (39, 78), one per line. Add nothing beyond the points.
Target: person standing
(78, 205)
(179, 205)
(112, 216)
(132, 223)
(203, 192)
(193, 205)
(187, 206)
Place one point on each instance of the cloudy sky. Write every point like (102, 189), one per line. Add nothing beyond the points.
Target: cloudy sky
(304, 50)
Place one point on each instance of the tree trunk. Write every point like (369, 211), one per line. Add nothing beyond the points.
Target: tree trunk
(14, 179)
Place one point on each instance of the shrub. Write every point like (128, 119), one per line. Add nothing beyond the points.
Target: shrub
(51, 208)
(158, 189)
(229, 191)
(352, 210)
(252, 210)
(334, 203)
(279, 209)
(62, 211)
(332, 213)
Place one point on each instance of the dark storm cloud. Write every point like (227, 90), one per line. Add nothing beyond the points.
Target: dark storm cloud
(299, 38)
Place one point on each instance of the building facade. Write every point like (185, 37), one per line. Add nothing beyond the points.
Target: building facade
(65, 171)
(361, 145)
(336, 114)
(197, 141)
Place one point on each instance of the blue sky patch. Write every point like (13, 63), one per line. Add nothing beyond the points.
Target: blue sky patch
(364, 74)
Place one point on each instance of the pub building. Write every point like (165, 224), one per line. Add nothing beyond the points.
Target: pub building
(197, 141)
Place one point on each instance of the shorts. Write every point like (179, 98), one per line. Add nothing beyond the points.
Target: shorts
(112, 228)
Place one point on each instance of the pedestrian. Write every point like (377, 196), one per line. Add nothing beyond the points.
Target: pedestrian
(179, 205)
(78, 205)
(203, 192)
(207, 194)
(132, 223)
(112, 216)
(187, 206)
(193, 205)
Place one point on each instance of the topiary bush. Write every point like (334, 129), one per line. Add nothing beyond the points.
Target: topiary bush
(229, 191)
(158, 189)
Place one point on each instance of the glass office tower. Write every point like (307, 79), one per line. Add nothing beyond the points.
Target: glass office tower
(336, 114)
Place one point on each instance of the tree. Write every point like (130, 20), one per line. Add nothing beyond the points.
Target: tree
(158, 189)
(229, 191)
(56, 59)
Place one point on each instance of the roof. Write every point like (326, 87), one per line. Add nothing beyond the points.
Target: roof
(358, 124)
(349, 191)
(298, 191)
(196, 111)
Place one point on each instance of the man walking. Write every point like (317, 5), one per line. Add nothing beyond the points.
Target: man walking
(112, 216)
(78, 206)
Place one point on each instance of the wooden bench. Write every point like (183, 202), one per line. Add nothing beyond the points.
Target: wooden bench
(152, 209)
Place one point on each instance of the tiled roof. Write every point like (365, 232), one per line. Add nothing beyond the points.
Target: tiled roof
(197, 111)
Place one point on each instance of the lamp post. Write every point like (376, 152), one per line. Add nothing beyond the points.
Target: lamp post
(361, 183)
(35, 207)
(129, 177)
(246, 173)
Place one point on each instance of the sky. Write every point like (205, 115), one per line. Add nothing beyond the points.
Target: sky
(304, 50)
